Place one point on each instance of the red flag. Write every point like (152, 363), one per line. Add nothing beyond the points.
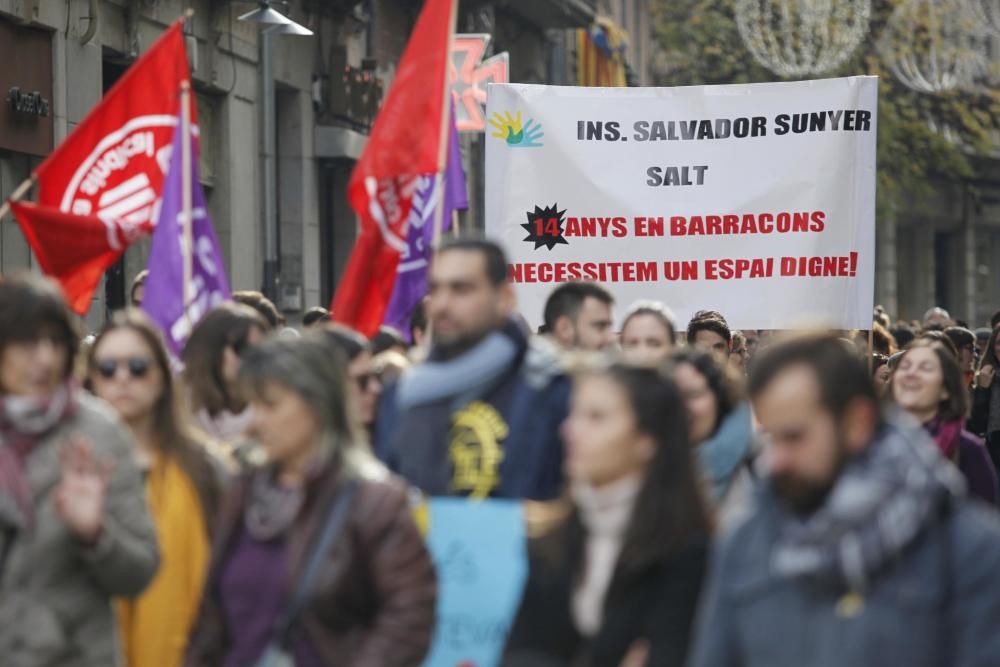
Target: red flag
(406, 142)
(99, 189)
(76, 250)
(113, 163)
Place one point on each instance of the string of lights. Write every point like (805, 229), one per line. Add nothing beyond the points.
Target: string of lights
(798, 38)
(936, 46)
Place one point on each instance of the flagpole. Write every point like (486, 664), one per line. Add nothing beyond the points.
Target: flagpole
(445, 133)
(21, 190)
(186, 213)
(186, 197)
(871, 348)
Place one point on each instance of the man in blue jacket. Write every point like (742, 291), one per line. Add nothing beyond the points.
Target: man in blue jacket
(481, 416)
(862, 549)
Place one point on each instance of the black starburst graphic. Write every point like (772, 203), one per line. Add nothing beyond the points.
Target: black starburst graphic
(545, 227)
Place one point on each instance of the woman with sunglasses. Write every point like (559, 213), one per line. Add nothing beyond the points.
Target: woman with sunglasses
(129, 369)
(364, 387)
(75, 531)
(368, 596)
(212, 359)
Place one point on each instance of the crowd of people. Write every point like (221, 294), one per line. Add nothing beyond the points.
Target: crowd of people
(693, 495)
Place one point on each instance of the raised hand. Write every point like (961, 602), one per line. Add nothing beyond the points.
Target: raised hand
(79, 499)
(638, 654)
(985, 377)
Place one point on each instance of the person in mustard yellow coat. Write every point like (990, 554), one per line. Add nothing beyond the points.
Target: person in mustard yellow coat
(129, 368)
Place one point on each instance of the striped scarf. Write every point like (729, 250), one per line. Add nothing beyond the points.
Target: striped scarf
(884, 499)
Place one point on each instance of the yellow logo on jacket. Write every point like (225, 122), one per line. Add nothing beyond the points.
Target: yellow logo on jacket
(475, 449)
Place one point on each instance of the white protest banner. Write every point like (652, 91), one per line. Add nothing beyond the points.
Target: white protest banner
(754, 200)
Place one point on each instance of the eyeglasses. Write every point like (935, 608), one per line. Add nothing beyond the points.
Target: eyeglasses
(240, 346)
(138, 367)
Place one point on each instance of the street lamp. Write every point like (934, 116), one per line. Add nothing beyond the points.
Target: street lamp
(264, 14)
(272, 23)
(290, 29)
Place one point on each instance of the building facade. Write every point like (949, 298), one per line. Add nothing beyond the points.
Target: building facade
(58, 58)
(70, 53)
(943, 248)
(328, 88)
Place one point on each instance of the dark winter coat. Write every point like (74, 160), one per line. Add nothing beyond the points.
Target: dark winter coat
(375, 595)
(653, 602)
(937, 605)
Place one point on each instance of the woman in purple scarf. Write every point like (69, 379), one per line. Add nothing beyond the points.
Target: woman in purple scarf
(928, 384)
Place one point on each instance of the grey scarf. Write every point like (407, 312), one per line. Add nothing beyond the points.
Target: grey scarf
(469, 374)
(273, 507)
(882, 502)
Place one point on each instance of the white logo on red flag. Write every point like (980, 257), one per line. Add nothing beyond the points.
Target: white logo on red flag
(113, 181)
(113, 164)
(98, 191)
(389, 202)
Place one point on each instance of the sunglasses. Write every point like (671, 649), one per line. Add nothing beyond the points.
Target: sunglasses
(138, 367)
(364, 381)
(240, 347)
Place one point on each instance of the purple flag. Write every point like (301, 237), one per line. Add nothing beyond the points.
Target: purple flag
(411, 276)
(209, 286)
